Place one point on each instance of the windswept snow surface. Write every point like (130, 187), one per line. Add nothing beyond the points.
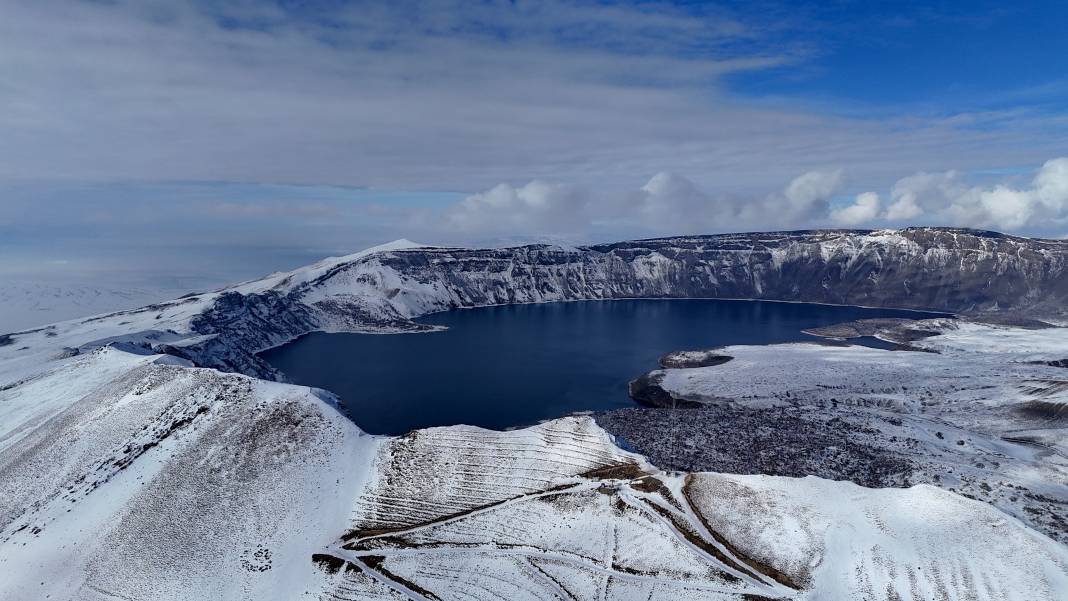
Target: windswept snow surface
(127, 472)
(32, 303)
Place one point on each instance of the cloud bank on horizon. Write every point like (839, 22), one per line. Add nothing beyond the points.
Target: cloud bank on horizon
(671, 203)
(202, 141)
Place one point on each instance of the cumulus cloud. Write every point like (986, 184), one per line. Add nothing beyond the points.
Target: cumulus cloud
(807, 194)
(666, 203)
(946, 197)
(910, 195)
(863, 210)
(537, 207)
(669, 203)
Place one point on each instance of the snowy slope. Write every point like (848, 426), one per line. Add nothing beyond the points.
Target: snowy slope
(132, 477)
(850, 542)
(266, 494)
(569, 516)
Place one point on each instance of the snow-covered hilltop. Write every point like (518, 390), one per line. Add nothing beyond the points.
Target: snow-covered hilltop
(132, 466)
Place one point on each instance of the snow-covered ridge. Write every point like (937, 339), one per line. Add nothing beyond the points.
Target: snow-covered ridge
(567, 515)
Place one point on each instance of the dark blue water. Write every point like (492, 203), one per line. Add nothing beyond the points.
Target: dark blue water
(499, 367)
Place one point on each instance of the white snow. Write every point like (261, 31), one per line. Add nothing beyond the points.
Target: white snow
(101, 496)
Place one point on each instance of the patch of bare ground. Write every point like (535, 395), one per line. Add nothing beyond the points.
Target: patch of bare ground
(654, 485)
(375, 562)
(647, 390)
(616, 471)
(690, 359)
(1047, 410)
(1045, 388)
(1056, 363)
(328, 563)
(784, 441)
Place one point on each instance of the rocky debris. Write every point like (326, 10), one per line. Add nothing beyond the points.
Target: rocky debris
(901, 332)
(646, 390)
(684, 359)
(859, 328)
(784, 441)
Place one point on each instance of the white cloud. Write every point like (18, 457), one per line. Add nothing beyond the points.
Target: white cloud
(917, 194)
(863, 210)
(947, 198)
(669, 203)
(807, 194)
(535, 208)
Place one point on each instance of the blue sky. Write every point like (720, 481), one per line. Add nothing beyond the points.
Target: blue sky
(931, 57)
(179, 141)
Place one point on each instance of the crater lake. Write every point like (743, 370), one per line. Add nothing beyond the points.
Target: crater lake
(515, 365)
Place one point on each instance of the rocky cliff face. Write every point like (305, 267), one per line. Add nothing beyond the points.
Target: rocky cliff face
(950, 270)
(954, 270)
